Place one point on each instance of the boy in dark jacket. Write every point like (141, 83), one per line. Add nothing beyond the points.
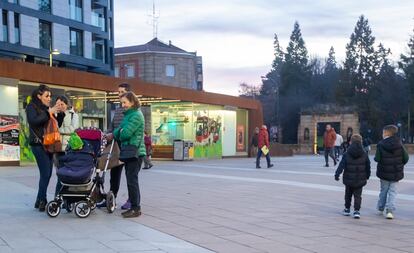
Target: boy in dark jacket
(391, 157)
(78, 163)
(356, 167)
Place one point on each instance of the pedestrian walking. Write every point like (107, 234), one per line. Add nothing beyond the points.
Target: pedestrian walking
(263, 145)
(329, 139)
(148, 147)
(391, 156)
(356, 167)
(255, 142)
(338, 143)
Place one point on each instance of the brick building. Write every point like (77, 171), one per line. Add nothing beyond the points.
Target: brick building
(161, 63)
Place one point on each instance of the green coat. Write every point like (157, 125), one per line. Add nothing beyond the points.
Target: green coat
(132, 132)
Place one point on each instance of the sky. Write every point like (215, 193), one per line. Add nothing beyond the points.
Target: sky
(235, 37)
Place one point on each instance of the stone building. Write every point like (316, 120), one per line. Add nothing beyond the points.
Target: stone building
(312, 124)
(158, 62)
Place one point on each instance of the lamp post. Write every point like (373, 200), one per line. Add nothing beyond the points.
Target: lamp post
(51, 53)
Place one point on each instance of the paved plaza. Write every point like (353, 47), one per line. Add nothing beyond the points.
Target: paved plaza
(215, 206)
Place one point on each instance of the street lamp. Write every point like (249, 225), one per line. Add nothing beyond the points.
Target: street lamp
(51, 53)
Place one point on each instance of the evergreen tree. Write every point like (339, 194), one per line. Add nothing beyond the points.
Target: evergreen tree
(407, 65)
(331, 64)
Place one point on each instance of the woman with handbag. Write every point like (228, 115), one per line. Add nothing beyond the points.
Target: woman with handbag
(131, 135)
(38, 116)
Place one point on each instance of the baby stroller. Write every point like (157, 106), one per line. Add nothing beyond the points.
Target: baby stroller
(82, 194)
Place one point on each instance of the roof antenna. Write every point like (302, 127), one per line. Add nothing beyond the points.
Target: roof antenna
(154, 20)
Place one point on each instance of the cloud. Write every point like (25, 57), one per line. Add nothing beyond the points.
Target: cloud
(235, 37)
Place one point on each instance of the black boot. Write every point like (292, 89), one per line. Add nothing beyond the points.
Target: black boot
(42, 205)
(36, 205)
(132, 213)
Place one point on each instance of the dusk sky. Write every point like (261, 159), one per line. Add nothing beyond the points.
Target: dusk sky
(235, 37)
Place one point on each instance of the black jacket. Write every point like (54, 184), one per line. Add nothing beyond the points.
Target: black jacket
(356, 166)
(37, 117)
(391, 157)
(255, 140)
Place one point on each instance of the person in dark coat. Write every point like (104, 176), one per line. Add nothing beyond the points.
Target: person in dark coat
(356, 166)
(148, 147)
(263, 141)
(78, 163)
(38, 113)
(391, 157)
(329, 139)
(255, 142)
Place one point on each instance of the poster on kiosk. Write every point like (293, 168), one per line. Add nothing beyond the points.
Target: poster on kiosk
(9, 138)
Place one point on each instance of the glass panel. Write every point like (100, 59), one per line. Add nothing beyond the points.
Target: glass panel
(5, 26)
(76, 10)
(89, 105)
(130, 70)
(116, 71)
(76, 42)
(45, 38)
(16, 28)
(44, 5)
(170, 70)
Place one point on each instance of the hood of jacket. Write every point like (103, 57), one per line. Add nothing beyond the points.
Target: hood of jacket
(356, 150)
(391, 143)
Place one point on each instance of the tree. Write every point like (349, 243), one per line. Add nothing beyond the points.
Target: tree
(330, 64)
(407, 65)
(249, 90)
(295, 85)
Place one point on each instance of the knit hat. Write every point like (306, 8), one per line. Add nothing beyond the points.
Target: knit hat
(75, 142)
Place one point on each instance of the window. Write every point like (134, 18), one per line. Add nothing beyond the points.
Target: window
(76, 42)
(97, 48)
(170, 70)
(116, 70)
(16, 28)
(130, 70)
(15, 1)
(98, 17)
(75, 7)
(45, 5)
(45, 35)
(5, 26)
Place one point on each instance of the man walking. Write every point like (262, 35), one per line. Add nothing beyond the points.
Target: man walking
(338, 143)
(263, 142)
(329, 139)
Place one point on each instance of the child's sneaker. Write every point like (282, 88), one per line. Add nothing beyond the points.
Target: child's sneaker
(346, 212)
(356, 215)
(389, 215)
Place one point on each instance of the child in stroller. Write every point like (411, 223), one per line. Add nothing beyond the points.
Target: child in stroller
(79, 190)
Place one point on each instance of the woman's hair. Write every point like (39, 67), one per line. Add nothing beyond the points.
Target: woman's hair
(131, 97)
(39, 91)
(126, 86)
(64, 99)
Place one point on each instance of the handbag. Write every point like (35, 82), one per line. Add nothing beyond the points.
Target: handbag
(51, 137)
(128, 153)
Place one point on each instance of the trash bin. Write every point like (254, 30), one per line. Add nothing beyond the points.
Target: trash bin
(183, 150)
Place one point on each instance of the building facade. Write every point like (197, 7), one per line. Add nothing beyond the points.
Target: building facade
(218, 125)
(78, 32)
(161, 63)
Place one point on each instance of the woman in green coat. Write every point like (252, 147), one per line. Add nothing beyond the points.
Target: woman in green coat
(131, 132)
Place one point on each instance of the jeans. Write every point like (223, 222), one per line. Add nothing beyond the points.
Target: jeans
(387, 195)
(337, 151)
(356, 192)
(329, 152)
(131, 171)
(115, 180)
(259, 154)
(44, 161)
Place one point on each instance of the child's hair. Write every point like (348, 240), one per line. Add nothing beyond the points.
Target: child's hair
(391, 129)
(356, 138)
(132, 98)
(64, 99)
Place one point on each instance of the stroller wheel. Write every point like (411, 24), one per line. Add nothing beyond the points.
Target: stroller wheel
(110, 202)
(93, 207)
(53, 208)
(68, 206)
(82, 209)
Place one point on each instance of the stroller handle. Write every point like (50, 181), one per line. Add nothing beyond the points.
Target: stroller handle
(108, 156)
